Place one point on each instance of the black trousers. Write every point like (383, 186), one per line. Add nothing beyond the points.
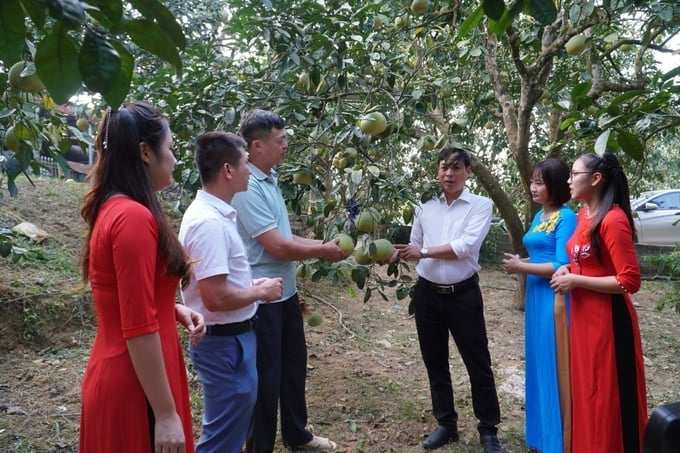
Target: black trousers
(462, 314)
(282, 371)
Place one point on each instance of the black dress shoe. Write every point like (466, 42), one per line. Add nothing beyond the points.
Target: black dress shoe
(440, 437)
(491, 443)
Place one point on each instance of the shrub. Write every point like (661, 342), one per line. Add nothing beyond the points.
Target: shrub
(668, 265)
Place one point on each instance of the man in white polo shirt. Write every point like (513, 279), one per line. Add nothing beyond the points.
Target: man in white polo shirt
(222, 289)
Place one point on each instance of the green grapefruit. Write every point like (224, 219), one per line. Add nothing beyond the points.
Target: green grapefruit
(82, 124)
(30, 83)
(380, 250)
(11, 140)
(420, 6)
(346, 244)
(361, 256)
(575, 45)
(302, 178)
(373, 123)
(315, 319)
(366, 222)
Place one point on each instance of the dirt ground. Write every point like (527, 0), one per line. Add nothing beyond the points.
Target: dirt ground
(367, 387)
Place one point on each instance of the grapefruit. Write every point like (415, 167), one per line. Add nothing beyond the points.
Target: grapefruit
(373, 123)
(302, 178)
(365, 223)
(301, 271)
(82, 124)
(380, 250)
(346, 244)
(575, 45)
(315, 319)
(30, 83)
(408, 213)
(11, 140)
(420, 6)
(361, 256)
(429, 142)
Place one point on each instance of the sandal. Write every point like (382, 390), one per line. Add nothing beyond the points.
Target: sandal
(319, 444)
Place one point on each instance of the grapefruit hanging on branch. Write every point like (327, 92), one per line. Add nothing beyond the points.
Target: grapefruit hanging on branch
(29, 82)
(373, 123)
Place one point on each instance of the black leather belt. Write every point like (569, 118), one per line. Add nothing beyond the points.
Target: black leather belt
(464, 285)
(234, 328)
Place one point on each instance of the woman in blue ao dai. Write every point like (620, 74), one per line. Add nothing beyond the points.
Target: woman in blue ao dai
(548, 415)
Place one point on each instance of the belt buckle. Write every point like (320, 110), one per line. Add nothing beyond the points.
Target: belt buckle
(445, 289)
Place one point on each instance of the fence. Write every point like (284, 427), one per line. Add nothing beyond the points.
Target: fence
(51, 169)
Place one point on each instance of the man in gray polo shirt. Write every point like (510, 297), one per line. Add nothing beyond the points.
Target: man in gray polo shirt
(273, 251)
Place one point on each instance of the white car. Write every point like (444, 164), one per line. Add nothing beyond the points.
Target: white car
(657, 217)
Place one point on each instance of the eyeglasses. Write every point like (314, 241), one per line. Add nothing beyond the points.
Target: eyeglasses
(574, 173)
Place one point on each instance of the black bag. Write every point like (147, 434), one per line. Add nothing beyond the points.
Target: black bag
(662, 434)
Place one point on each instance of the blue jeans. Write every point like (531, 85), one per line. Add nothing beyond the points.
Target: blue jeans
(227, 368)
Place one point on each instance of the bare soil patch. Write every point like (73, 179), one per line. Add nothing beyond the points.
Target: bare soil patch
(367, 387)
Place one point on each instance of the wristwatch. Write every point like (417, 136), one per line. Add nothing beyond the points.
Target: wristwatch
(423, 253)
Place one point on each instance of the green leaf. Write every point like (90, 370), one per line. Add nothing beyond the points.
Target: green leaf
(110, 11)
(5, 248)
(601, 142)
(328, 208)
(359, 275)
(630, 144)
(470, 23)
(56, 60)
(625, 96)
(36, 10)
(580, 91)
(498, 27)
(166, 21)
(12, 31)
(70, 12)
(566, 123)
(670, 74)
(517, 8)
(544, 11)
(99, 62)
(493, 9)
(148, 35)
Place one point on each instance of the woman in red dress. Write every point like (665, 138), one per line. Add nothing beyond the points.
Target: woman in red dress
(609, 411)
(135, 393)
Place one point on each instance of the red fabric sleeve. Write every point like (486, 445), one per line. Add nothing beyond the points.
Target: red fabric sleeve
(617, 238)
(134, 238)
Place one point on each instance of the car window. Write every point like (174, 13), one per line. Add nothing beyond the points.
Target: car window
(667, 201)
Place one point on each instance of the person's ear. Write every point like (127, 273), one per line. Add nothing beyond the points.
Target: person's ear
(596, 179)
(144, 152)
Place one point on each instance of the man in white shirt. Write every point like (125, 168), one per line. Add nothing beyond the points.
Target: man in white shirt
(222, 289)
(447, 234)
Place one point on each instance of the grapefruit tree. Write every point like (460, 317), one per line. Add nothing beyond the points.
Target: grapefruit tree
(438, 77)
(497, 78)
